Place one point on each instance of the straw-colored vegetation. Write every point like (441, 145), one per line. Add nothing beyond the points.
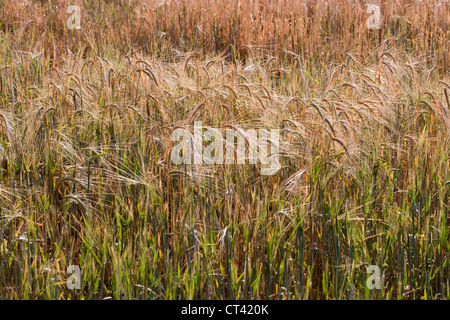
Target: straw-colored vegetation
(85, 129)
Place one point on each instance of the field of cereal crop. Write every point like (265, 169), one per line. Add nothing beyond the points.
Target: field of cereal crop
(91, 99)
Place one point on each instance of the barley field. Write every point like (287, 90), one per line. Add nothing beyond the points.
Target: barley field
(89, 101)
